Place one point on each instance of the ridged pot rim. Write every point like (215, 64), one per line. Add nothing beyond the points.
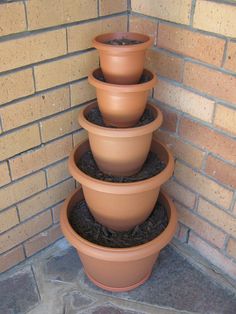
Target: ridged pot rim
(99, 42)
(121, 188)
(118, 254)
(119, 88)
(119, 132)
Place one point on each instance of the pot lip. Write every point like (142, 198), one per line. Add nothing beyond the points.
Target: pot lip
(120, 132)
(118, 254)
(121, 188)
(125, 88)
(98, 42)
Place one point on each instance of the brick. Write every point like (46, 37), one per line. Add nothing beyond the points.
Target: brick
(201, 227)
(16, 85)
(107, 7)
(170, 119)
(12, 18)
(11, 258)
(225, 119)
(56, 212)
(20, 52)
(208, 139)
(164, 64)
(219, 84)
(183, 233)
(65, 70)
(80, 36)
(230, 61)
(231, 248)
(42, 240)
(5, 177)
(217, 216)
(138, 24)
(58, 172)
(180, 193)
(34, 108)
(8, 219)
(79, 137)
(203, 185)
(213, 255)
(215, 17)
(39, 158)
(81, 92)
(45, 199)
(198, 46)
(177, 11)
(47, 13)
(19, 141)
(25, 231)
(221, 171)
(59, 125)
(181, 150)
(21, 189)
(184, 100)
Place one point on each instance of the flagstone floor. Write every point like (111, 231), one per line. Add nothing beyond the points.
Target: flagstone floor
(53, 282)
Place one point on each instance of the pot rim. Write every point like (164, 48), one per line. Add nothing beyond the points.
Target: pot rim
(118, 254)
(119, 88)
(121, 188)
(98, 42)
(119, 132)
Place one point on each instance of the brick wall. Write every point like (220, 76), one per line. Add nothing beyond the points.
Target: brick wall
(194, 56)
(45, 56)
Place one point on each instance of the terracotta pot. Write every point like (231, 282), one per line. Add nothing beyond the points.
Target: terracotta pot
(120, 151)
(122, 64)
(121, 206)
(121, 105)
(117, 269)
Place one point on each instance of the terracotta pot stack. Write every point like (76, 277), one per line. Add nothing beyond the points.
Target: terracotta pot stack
(120, 148)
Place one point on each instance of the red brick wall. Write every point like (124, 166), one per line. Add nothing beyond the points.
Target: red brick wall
(45, 57)
(194, 56)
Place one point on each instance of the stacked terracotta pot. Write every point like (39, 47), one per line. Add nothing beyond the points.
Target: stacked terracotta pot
(120, 148)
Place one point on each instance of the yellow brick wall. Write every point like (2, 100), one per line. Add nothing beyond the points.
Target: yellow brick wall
(45, 57)
(194, 57)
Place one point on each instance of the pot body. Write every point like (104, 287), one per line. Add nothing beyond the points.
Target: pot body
(122, 105)
(117, 269)
(122, 64)
(121, 206)
(120, 152)
(122, 69)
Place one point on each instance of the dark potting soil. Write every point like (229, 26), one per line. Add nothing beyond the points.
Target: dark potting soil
(88, 228)
(94, 116)
(145, 77)
(152, 166)
(122, 42)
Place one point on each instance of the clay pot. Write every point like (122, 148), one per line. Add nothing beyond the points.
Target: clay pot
(117, 269)
(122, 64)
(120, 151)
(121, 105)
(121, 206)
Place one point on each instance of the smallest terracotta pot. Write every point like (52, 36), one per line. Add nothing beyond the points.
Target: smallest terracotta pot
(122, 105)
(122, 64)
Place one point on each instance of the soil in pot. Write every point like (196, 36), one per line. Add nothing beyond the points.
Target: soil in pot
(89, 229)
(94, 116)
(145, 77)
(123, 42)
(152, 166)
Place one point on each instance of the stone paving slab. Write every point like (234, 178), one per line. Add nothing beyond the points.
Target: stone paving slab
(54, 283)
(18, 293)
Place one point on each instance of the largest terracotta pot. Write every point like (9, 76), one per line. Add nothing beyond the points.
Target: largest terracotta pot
(121, 206)
(117, 269)
(120, 151)
(122, 64)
